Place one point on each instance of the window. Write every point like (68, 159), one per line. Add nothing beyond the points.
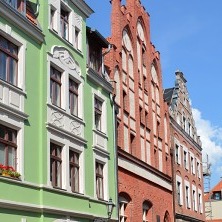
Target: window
(185, 159)
(99, 181)
(98, 114)
(56, 165)
(187, 196)
(178, 192)
(177, 153)
(200, 202)
(64, 24)
(95, 58)
(192, 164)
(19, 5)
(55, 86)
(8, 61)
(198, 169)
(8, 146)
(217, 196)
(73, 97)
(194, 200)
(123, 202)
(74, 170)
(146, 211)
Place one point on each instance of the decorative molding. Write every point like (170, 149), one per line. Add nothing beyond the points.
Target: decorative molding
(64, 132)
(78, 21)
(57, 118)
(21, 22)
(75, 128)
(66, 58)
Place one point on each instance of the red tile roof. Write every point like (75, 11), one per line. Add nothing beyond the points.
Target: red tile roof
(217, 187)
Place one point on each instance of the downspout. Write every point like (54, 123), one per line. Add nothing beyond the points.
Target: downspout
(103, 55)
(36, 13)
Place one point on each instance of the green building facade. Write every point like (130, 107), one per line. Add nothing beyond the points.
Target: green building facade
(57, 140)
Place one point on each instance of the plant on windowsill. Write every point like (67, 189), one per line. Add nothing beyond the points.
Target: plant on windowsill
(9, 171)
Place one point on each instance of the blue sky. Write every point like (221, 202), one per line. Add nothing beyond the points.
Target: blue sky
(188, 35)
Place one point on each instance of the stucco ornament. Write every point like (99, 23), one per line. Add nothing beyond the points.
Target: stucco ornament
(65, 58)
(75, 128)
(57, 119)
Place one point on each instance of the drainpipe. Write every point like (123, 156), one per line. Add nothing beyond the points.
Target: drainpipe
(36, 13)
(103, 55)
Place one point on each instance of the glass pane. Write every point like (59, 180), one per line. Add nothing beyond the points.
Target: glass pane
(76, 180)
(58, 181)
(57, 94)
(11, 157)
(3, 43)
(2, 133)
(13, 71)
(2, 154)
(3, 59)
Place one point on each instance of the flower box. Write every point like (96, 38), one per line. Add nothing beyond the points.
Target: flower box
(9, 171)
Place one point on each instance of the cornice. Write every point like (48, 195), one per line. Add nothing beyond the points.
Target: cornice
(98, 79)
(167, 179)
(7, 109)
(187, 218)
(21, 22)
(83, 7)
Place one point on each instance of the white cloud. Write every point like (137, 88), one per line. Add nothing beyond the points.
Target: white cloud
(211, 138)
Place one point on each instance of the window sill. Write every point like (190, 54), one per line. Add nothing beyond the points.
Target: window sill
(10, 177)
(13, 87)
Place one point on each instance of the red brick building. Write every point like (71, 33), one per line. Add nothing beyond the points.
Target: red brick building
(144, 161)
(187, 161)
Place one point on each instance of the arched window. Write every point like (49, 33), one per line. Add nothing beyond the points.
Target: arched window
(167, 217)
(124, 200)
(147, 214)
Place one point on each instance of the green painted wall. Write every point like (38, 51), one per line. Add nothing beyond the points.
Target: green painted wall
(31, 191)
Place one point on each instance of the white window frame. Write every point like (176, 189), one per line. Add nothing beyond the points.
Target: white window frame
(98, 95)
(200, 201)
(179, 152)
(122, 206)
(7, 32)
(75, 22)
(66, 144)
(17, 122)
(187, 184)
(66, 74)
(98, 157)
(198, 168)
(192, 169)
(179, 179)
(194, 197)
(185, 150)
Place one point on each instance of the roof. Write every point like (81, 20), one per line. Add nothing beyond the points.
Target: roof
(167, 95)
(94, 34)
(217, 188)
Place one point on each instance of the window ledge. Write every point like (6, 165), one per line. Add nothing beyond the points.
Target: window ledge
(19, 114)
(104, 135)
(101, 151)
